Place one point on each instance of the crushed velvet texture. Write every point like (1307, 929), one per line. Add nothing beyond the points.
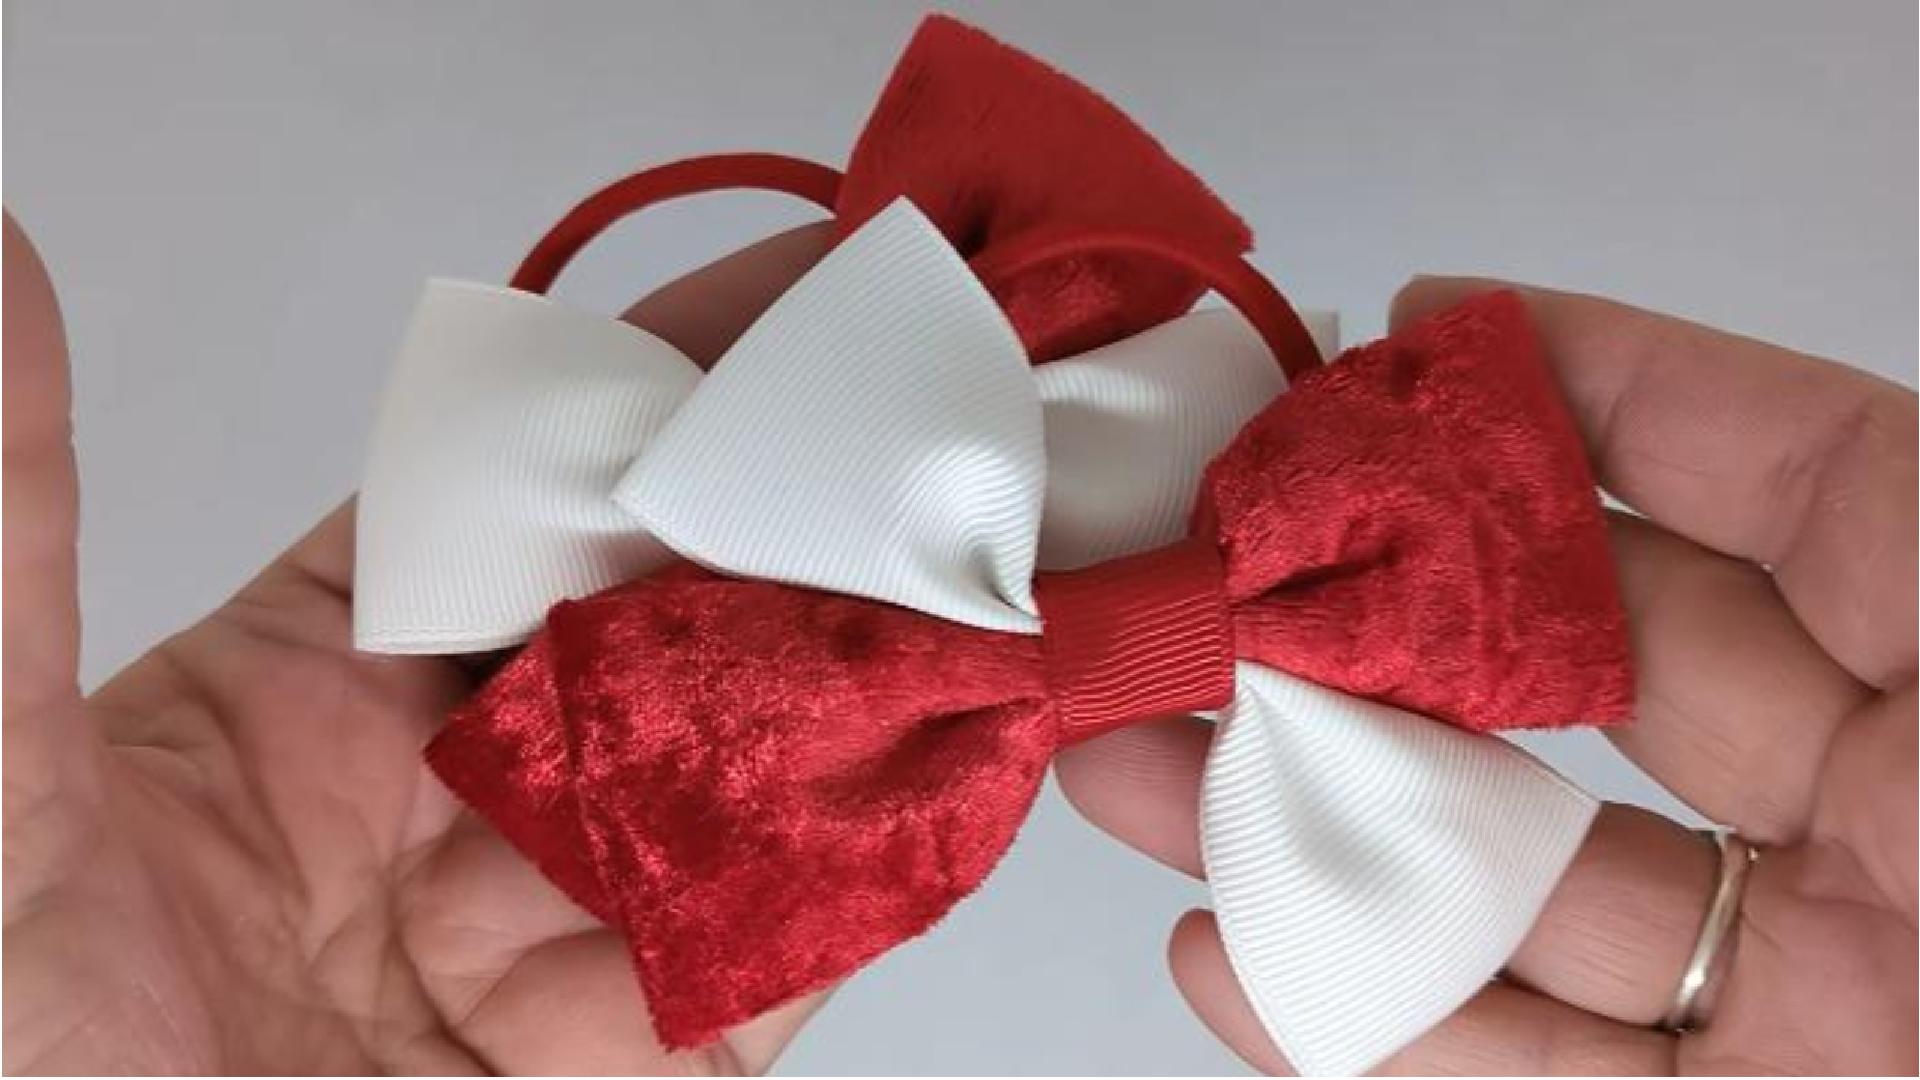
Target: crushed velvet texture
(1416, 523)
(992, 145)
(765, 787)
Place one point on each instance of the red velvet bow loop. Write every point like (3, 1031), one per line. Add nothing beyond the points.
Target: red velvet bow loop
(992, 144)
(764, 787)
(1417, 524)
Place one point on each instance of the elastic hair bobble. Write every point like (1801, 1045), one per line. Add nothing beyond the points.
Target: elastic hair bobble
(794, 176)
(1228, 274)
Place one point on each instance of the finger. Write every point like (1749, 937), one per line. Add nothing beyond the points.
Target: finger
(1821, 974)
(513, 961)
(1612, 939)
(702, 313)
(1618, 930)
(1206, 980)
(52, 787)
(1762, 453)
(758, 1042)
(1736, 704)
(1871, 794)
(1141, 785)
(1504, 1030)
(42, 618)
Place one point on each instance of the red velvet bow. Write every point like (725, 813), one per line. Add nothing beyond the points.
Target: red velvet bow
(995, 146)
(765, 787)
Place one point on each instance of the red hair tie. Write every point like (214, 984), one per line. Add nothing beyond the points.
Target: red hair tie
(798, 177)
(999, 267)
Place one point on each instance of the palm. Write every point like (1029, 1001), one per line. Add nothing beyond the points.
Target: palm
(230, 859)
(292, 890)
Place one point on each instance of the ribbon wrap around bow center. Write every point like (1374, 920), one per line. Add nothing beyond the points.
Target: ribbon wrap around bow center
(1142, 636)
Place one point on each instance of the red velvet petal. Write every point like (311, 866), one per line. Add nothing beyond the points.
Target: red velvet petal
(1425, 506)
(991, 144)
(776, 785)
(505, 754)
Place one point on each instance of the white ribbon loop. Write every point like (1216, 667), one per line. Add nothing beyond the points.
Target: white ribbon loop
(877, 433)
(1372, 869)
(506, 421)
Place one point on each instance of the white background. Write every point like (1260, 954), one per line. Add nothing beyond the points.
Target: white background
(238, 201)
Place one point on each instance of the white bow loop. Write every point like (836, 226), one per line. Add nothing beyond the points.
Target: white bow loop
(1372, 869)
(506, 421)
(876, 433)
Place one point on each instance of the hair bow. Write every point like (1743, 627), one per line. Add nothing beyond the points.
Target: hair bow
(942, 564)
(767, 785)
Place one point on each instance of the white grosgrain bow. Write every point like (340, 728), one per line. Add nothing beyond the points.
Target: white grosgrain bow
(880, 433)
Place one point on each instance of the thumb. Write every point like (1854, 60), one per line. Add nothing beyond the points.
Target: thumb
(46, 734)
(41, 494)
(42, 623)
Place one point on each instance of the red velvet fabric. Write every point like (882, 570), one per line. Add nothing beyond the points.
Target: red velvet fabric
(992, 144)
(765, 787)
(649, 187)
(1417, 524)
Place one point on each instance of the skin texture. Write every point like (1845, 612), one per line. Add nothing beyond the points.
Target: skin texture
(229, 858)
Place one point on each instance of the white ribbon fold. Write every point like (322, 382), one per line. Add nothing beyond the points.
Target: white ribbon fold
(878, 432)
(507, 420)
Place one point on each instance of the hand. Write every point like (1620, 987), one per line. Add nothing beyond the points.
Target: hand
(1770, 589)
(230, 858)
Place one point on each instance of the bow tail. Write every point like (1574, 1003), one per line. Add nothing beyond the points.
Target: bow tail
(1372, 869)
